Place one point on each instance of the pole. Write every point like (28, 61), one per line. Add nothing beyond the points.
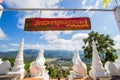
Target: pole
(54, 9)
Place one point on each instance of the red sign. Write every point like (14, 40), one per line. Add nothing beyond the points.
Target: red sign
(43, 24)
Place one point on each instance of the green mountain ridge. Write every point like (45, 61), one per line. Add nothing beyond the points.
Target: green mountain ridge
(31, 54)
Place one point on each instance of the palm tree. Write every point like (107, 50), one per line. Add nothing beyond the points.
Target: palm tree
(104, 46)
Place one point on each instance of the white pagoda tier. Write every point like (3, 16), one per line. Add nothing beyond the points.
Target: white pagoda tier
(97, 69)
(79, 68)
(38, 68)
(117, 62)
(18, 67)
(4, 66)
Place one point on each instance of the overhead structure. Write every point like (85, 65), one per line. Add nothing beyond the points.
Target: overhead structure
(116, 10)
(54, 9)
(30, 24)
(117, 15)
(117, 62)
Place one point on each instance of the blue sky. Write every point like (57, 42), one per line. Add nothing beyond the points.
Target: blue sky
(12, 24)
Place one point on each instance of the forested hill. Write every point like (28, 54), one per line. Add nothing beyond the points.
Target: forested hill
(31, 54)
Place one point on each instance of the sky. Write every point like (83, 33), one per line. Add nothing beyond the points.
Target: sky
(12, 24)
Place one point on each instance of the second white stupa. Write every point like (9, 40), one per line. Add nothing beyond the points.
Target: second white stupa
(38, 68)
(117, 62)
(79, 68)
(97, 69)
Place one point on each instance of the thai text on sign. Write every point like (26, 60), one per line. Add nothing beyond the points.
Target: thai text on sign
(43, 24)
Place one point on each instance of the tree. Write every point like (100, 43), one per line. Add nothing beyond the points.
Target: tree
(104, 46)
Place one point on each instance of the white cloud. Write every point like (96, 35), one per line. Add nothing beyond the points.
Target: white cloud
(117, 41)
(59, 44)
(84, 2)
(11, 50)
(28, 46)
(104, 28)
(35, 4)
(91, 5)
(23, 16)
(13, 44)
(52, 3)
(50, 35)
(2, 35)
(67, 32)
(25, 3)
(117, 38)
(76, 42)
(56, 43)
(3, 46)
(97, 3)
(79, 36)
(33, 46)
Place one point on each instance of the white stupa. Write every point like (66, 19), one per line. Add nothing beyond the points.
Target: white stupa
(79, 68)
(97, 69)
(40, 58)
(117, 62)
(38, 68)
(1, 61)
(18, 67)
(4, 66)
(111, 68)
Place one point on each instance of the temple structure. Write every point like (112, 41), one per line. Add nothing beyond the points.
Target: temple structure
(97, 69)
(18, 67)
(117, 15)
(79, 68)
(38, 68)
(4, 66)
(117, 62)
(111, 68)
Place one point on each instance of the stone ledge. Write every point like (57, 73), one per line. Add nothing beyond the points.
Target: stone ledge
(104, 78)
(115, 78)
(9, 77)
(33, 79)
(85, 78)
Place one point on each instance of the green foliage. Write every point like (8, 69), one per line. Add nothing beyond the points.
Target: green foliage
(56, 71)
(27, 66)
(52, 72)
(115, 56)
(66, 72)
(104, 46)
(88, 67)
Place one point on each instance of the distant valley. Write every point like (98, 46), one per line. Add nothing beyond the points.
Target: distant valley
(31, 54)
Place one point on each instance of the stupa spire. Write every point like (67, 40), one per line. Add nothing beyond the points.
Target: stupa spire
(40, 58)
(18, 67)
(95, 56)
(79, 68)
(38, 68)
(20, 52)
(97, 69)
